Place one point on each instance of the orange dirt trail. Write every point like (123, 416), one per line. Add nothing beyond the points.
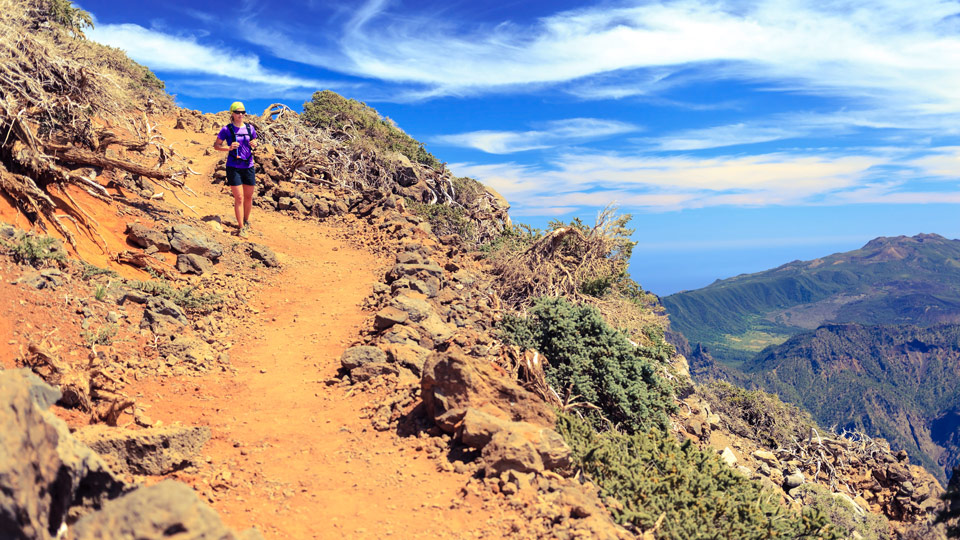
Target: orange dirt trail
(301, 461)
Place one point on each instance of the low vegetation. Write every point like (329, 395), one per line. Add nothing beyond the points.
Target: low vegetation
(681, 492)
(185, 298)
(444, 219)
(35, 250)
(757, 415)
(362, 123)
(580, 263)
(849, 521)
(590, 362)
(92, 271)
(102, 336)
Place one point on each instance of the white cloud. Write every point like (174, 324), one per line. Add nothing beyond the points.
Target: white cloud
(662, 183)
(166, 52)
(714, 244)
(795, 125)
(554, 133)
(944, 163)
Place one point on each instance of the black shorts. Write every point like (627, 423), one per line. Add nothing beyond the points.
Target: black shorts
(236, 176)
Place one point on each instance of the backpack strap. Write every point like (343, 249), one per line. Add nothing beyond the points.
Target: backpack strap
(233, 135)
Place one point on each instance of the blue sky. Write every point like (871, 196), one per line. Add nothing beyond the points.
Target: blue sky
(739, 134)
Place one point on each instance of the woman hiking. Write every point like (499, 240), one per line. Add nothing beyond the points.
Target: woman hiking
(240, 172)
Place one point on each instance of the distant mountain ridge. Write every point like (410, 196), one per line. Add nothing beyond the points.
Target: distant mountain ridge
(895, 381)
(899, 280)
(868, 339)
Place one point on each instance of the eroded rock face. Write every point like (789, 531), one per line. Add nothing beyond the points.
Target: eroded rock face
(45, 474)
(155, 451)
(452, 380)
(165, 510)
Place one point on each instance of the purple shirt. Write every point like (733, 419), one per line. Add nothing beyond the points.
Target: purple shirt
(242, 157)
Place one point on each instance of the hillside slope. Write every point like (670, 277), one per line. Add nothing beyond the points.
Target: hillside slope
(901, 280)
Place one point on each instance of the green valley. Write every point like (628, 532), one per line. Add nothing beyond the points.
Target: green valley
(867, 339)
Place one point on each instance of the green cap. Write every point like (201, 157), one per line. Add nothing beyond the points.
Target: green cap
(237, 106)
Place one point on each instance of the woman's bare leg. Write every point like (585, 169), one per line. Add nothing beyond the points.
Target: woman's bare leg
(248, 192)
(238, 204)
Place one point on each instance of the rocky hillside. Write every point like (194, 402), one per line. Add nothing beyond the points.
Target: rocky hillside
(884, 371)
(386, 355)
(895, 381)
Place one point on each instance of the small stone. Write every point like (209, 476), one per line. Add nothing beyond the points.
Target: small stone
(793, 480)
(728, 457)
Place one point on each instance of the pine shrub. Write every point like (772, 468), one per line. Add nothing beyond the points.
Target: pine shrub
(691, 493)
(596, 363)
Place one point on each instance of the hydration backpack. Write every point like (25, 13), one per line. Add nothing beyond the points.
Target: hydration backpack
(251, 132)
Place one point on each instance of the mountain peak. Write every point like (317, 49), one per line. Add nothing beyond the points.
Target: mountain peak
(885, 241)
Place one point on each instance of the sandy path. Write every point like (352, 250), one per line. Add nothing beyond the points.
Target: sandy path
(301, 461)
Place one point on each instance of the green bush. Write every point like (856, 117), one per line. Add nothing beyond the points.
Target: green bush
(90, 270)
(63, 13)
(596, 363)
(36, 250)
(444, 219)
(466, 190)
(184, 298)
(103, 336)
(757, 415)
(697, 496)
(842, 514)
(511, 240)
(330, 110)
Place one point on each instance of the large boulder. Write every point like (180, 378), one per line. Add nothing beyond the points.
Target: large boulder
(437, 330)
(414, 304)
(453, 381)
(355, 357)
(144, 237)
(262, 253)
(190, 263)
(46, 476)
(518, 446)
(187, 239)
(163, 511)
(155, 451)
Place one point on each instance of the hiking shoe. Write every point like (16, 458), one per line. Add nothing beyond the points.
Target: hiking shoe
(242, 233)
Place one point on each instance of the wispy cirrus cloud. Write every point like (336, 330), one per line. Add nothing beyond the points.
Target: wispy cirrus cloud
(553, 133)
(943, 163)
(185, 54)
(796, 125)
(666, 183)
(892, 52)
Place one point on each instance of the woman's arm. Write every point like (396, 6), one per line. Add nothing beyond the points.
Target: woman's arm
(219, 145)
